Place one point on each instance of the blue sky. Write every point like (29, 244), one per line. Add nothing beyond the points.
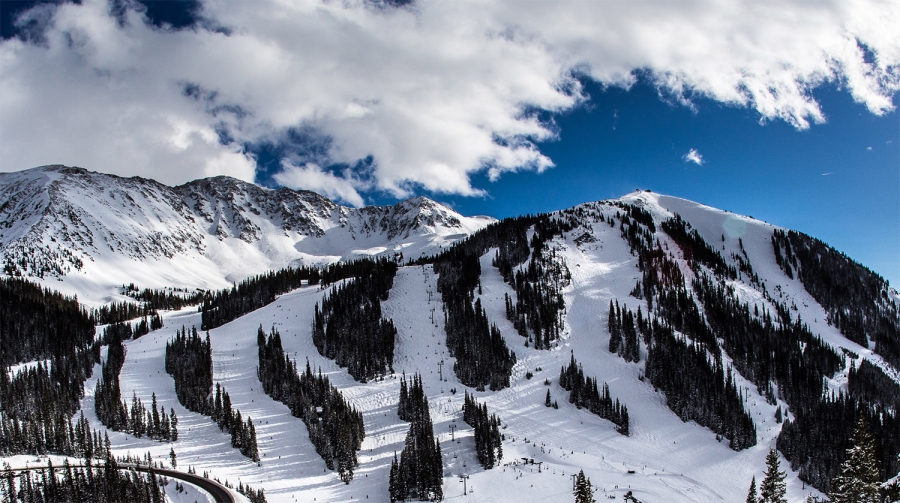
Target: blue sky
(632, 139)
(498, 108)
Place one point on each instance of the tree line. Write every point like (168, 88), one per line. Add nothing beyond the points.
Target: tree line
(126, 331)
(38, 401)
(623, 337)
(112, 410)
(697, 386)
(855, 298)
(419, 472)
(229, 304)
(775, 351)
(537, 313)
(189, 362)
(769, 350)
(169, 299)
(102, 483)
(150, 302)
(779, 350)
(349, 328)
(335, 427)
(695, 249)
(251, 294)
(39, 323)
(488, 439)
(120, 312)
(583, 392)
(243, 433)
(482, 357)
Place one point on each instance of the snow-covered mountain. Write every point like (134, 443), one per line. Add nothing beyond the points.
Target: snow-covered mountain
(97, 231)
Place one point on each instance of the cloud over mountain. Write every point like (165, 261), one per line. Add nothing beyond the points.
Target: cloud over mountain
(422, 95)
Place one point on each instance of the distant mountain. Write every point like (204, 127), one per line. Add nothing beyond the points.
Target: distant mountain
(71, 224)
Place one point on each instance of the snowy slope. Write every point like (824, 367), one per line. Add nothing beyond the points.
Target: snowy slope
(88, 233)
(756, 237)
(671, 461)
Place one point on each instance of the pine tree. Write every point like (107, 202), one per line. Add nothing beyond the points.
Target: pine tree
(419, 472)
(614, 326)
(858, 479)
(752, 497)
(583, 492)
(396, 486)
(772, 489)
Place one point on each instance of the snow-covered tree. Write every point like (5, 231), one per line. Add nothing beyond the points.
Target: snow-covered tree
(858, 480)
(583, 493)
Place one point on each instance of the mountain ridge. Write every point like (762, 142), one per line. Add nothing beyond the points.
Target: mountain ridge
(64, 222)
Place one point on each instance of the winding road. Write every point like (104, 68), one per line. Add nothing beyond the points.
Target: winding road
(219, 492)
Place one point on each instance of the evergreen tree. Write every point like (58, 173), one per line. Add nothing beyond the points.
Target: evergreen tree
(253, 293)
(189, 362)
(103, 483)
(488, 440)
(539, 304)
(772, 489)
(697, 387)
(419, 472)
(583, 491)
(752, 496)
(396, 483)
(614, 325)
(858, 480)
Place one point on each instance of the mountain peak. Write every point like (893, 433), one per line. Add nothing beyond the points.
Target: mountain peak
(64, 222)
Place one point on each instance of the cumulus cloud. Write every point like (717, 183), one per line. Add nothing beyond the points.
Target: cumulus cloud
(431, 93)
(694, 157)
(314, 178)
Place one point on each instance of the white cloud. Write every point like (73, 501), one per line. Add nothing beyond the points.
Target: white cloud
(314, 178)
(694, 157)
(433, 93)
